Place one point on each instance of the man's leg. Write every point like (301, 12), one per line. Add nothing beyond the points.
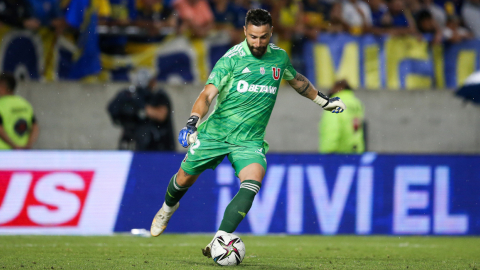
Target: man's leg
(178, 186)
(251, 177)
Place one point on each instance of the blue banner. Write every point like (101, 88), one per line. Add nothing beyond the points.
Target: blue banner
(375, 62)
(318, 194)
(368, 61)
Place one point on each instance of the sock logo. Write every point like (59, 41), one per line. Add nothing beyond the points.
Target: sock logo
(242, 213)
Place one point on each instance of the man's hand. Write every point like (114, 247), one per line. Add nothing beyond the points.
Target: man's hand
(335, 105)
(188, 134)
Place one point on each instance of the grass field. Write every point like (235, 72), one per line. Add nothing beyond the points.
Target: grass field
(263, 252)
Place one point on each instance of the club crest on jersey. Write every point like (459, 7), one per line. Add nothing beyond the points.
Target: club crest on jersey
(276, 73)
(262, 71)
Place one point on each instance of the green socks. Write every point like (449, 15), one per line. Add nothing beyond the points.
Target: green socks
(238, 208)
(174, 192)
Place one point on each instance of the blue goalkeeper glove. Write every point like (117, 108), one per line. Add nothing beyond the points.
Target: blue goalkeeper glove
(188, 134)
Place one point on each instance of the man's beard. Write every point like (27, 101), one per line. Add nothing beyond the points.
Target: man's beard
(257, 52)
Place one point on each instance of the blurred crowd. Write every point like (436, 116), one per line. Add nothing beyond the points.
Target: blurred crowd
(127, 26)
(444, 20)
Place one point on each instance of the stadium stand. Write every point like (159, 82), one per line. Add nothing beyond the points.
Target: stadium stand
(411, 47)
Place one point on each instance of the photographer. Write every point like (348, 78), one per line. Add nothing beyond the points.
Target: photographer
(144, 114)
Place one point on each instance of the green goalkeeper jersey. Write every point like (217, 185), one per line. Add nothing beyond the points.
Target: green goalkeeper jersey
(248, 88)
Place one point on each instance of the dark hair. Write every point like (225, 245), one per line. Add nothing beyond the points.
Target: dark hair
(9, 80)
(423, 15)
(258, 17)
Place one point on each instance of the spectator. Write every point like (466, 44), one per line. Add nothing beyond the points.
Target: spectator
(230, 17)
(315, 17)
(353, 15)
(121, 12)
(379, 12)
(426, 25)
(437, 12)
(156, 17)
(82, 16)
(241, 9)
(196, 17)
(17, 13)
(223, 13)
(471, 16)
(343, 133)
(378, 9)
(49, 13)
(18, 126)
(453, 32)
(289, 27)
(451, 7)
(398, 20)
(412, 6)
(144, 115)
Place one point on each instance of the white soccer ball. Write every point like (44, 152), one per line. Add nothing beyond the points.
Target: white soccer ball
(228, 250)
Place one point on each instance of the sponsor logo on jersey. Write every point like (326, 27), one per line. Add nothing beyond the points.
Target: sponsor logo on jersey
(262, 70)
(246, 70)
(276, 73)
(244, 86)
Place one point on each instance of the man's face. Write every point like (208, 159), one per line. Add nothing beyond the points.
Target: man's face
(258, 38)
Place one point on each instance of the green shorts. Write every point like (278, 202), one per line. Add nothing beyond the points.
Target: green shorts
(208, 154)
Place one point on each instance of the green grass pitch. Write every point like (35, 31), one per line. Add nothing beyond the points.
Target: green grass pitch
(175, 251)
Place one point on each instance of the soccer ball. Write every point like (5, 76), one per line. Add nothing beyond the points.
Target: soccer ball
(228, 250)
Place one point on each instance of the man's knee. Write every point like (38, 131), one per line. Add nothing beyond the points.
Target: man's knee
(185, 179)
(254, 171)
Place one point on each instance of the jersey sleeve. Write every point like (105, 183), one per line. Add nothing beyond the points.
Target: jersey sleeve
(221, 73)
(289, 73)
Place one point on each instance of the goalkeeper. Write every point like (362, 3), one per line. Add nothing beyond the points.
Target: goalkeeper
(246, 80)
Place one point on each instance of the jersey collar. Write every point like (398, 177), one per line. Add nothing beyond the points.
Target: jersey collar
(247, 50)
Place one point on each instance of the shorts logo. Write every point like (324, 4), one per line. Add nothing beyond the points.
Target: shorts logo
(276, 73)
(260, 151)
(262, 71)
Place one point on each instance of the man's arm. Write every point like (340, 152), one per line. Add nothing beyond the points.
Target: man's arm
(5, 138)
(188, 134)
(202, 104)
(158, 113)
(33, 136)
(303, 86)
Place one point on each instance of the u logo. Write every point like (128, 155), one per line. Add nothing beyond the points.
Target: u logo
(276, 73)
